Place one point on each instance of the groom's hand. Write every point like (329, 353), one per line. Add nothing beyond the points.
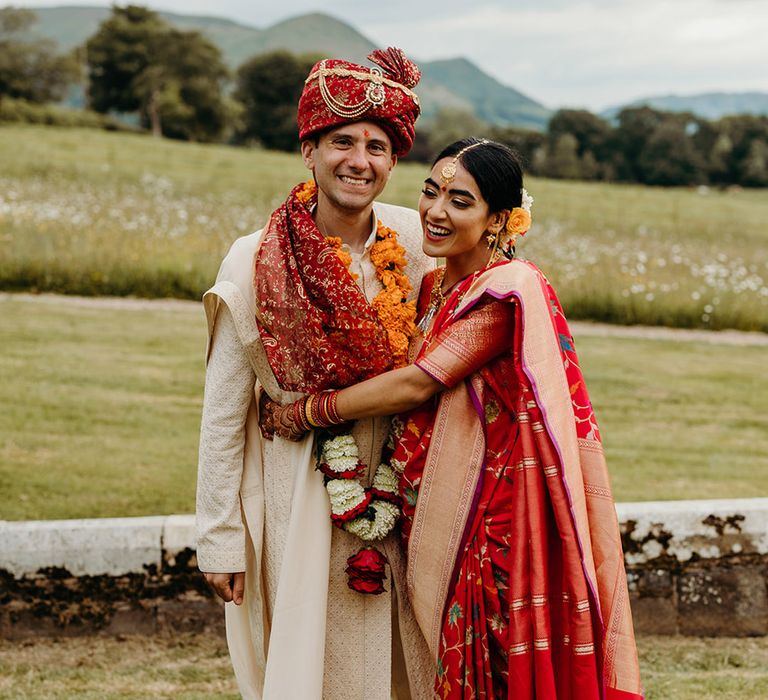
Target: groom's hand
(229, 587)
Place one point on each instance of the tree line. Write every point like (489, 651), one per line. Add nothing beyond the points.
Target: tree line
(648, 146)
(179, 86)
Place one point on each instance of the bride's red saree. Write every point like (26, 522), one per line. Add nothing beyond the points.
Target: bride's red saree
(515, 568)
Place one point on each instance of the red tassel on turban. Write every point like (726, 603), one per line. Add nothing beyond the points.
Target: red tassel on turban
(339, 92)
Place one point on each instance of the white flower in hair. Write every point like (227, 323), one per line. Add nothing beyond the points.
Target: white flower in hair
(527, 202)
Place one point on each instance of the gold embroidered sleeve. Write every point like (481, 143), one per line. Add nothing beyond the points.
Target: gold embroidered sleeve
(470, 343)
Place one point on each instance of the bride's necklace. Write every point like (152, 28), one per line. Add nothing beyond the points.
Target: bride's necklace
(437, 297)
(436, 301)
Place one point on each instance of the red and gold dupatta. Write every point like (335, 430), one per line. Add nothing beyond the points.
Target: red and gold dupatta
(318, 329)
(573, 638)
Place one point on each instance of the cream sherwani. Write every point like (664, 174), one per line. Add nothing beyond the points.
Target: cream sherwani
(300, 633)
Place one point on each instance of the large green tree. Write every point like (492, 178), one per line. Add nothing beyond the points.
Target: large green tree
(529, 144)
(269, 87)
(31, 69)
(562, 159)
(740, 162)
(669, 158)
(173, 79)
(186, 87)
(591, 132)
(629, 139)
(450, 124)
(118, 54)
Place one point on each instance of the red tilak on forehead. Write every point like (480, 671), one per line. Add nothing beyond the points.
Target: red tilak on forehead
(366, 133)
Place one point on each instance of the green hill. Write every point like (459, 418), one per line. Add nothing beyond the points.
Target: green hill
(455, 83)
(316, 33)
(68, 26)
(480, 93)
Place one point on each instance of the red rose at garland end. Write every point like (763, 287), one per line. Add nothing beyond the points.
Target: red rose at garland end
(366, 571)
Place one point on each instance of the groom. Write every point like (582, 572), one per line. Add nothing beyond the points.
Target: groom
(286, 318)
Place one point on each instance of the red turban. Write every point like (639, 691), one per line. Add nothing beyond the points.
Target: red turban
(339, 92)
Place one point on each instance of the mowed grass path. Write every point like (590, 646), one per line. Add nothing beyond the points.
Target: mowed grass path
(101, 409)
(197, 668)
(93, 212)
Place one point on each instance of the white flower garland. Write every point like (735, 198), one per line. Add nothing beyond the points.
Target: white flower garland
(339, 461)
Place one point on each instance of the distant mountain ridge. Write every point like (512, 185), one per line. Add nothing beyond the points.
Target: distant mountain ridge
(455, 83)
(709, 105)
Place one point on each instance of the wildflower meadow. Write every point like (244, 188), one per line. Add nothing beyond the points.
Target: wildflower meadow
(98, 213)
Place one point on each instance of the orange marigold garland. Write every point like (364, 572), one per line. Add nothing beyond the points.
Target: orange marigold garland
(307, 191)
(396, 313)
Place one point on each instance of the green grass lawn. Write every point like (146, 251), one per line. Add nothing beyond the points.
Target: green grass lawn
(94, 212)
(101, 411)
(678, 419)
(197, 668)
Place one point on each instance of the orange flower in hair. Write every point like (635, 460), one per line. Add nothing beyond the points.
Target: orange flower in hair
(518, 222)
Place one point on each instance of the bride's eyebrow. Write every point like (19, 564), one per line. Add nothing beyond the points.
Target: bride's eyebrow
(461, 193)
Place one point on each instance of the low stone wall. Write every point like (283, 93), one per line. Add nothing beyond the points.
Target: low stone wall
(693, 567)
(112, 575)
(697, 567)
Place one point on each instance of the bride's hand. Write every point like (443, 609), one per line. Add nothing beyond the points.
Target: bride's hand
(284, 424)
(267, 409)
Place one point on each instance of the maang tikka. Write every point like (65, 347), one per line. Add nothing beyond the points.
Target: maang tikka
(448, 171)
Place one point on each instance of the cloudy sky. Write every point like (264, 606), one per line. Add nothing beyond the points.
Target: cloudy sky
(579, 53)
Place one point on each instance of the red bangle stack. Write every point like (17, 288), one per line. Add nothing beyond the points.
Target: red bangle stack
(299, 416)
(316, 411)
(328, 413)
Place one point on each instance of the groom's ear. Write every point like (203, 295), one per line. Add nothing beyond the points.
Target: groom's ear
(308, 153)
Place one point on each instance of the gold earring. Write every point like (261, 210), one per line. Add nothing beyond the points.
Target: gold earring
(494, 244)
